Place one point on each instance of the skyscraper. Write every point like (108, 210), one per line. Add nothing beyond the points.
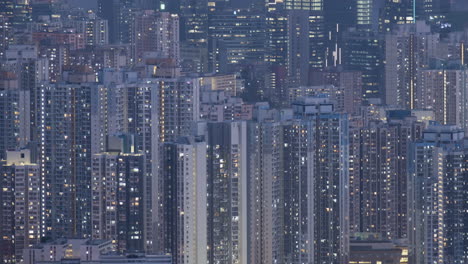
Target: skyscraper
(349, 81)
(156, 32)
(316, 193)
(194, 33)
(265, 184)
(362, 52)
(7, 197)
(227, 192)
(185, 200)
(156, 110)
(368, 14)
(152, 127)
(444, 91)
(298, 50)
(317, 29)
(95, 29)
(396, 13)
(407, 50)
(381, 180)
(137, 114)
(118, 13)
(304, 4)
(194, 21)
(21, 205)
(30, 70)
(276, 52)
(340, 15)
(236, 40)
(437, 183)
(179, 106)
(65, 158)
(433, 11)
(296, 42)
(18, 12)
(14, 122)
(117, 195)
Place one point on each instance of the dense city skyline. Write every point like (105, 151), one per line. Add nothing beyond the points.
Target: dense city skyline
(234, 132)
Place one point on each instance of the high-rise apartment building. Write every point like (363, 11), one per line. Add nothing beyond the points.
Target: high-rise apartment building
(335, 94)
(184, 167)
(118, 195)
(65, 159)
(58, 57)
(20, 197)
(265, 184)
(137, 114)
(156, 111)
(227, 192)
(95, 29)
(156, 32)
(30, 70)
(15, 119)
(436, 184)
(179, 106)
(315, 185)
(379, 187)
(215, 106)
(168, 35)
(444, 91)
(407, 50)
(103, 116)
(350, 82)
